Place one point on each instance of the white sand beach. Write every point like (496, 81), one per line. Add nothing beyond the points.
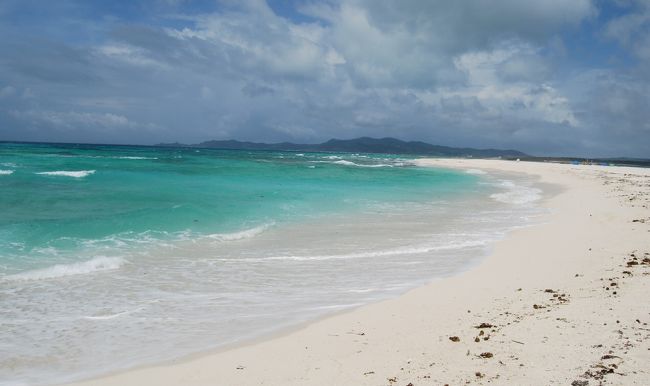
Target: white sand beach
(562, 302)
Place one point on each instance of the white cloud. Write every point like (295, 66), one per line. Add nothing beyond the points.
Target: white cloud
(490, 83)
(464, 72)
(129, 54)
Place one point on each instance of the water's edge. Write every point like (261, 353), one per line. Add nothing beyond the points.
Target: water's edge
(548, 191)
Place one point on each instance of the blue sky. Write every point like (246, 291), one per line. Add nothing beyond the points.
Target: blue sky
(552, 77)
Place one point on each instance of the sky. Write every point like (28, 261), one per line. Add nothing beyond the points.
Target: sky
(547, 77)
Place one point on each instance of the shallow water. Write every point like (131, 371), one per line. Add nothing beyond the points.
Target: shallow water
(112, 257)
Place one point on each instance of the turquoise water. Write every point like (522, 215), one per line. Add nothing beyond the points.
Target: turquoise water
(113, 257)
(114, 194)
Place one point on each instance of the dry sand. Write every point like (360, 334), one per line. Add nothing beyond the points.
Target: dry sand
(565, 302)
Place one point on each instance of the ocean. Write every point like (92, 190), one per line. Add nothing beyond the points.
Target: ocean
(119, 256)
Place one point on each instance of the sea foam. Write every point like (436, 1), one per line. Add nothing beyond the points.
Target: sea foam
(134, 157)
(241, 235)
(101, 263)
(350, 163)
(66, 173)
(6, 172)
(382, 253)
(517, 194)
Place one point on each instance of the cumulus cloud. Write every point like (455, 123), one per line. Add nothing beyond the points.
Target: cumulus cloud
(463, 73)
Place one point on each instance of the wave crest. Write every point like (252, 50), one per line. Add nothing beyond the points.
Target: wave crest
(350, 163)
(67, 173)
(381, 253)
(6, 172)
(241, 235)
(134, 157)
(101, 263)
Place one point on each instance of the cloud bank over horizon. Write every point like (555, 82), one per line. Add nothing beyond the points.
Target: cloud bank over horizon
(553, 77)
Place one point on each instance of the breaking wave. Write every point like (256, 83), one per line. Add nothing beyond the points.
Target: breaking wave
(100, 263)
(66, 173)
(241, 235)
(133, 157)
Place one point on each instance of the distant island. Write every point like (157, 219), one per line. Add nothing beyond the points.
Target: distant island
(359, 145)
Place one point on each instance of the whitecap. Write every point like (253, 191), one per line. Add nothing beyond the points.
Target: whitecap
(475, 171)
(101, 263)
(133, 157)
(66, 173)
(6, 172)
(349, 163)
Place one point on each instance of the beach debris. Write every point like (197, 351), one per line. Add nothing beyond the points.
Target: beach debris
(454, 339)
(580, 383)
(481, 333)
(479, 374)
(484, 325)
(392, 380)
(548, 290)
(368, 373)
(477, 339)
(410, 384)
(240, 367)
(486, 355)
(562, 298)
(600, 373)
(516, 341)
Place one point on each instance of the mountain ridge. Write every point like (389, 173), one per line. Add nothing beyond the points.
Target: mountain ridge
(385, 145)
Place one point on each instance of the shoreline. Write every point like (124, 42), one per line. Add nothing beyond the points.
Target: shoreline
(406, 339)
